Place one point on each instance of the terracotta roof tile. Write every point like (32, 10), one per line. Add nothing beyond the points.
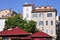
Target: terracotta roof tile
(43, 10)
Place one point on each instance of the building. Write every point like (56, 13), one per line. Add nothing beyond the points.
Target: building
(58, 28)
(4, 14)
(44, 16)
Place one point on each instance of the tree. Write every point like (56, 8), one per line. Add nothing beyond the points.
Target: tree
(17, 21)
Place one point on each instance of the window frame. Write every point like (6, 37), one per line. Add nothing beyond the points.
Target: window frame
(41, 15)
(34, 15)
(51, 22)
(51, 31)
(46, 23)
(46, 30)
(41, 23)
(49, 14)
(27, 9)
(26, 15)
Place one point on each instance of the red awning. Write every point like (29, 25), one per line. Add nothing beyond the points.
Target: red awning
(39, 34)
(14, 31)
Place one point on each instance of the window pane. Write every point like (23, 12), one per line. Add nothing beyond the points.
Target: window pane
(41, 23)
(27, 9)
(51, 31)
(41, 15)
(51, 22)
(49, 15)
(26, 15)
(34, 15)
(46, 22)
(9, 14)
(46, 31)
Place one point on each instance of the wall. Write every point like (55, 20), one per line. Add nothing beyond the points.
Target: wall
(2, 24)
(44, 19)
(27, 10)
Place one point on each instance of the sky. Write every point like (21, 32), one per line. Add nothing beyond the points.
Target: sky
(17, 5)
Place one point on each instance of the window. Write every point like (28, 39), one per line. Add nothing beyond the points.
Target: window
(34, 15)
(46, 22)
(41, 23)
(51, 31)
(27, 9)
(49, 15)
(51, 22)
(5, 11)
(26, 15)
(2, 15)
(46, 30)
(9, 14)
(4, 39)
(41, 15)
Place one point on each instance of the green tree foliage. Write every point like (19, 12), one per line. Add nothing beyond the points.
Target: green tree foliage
(17, 21)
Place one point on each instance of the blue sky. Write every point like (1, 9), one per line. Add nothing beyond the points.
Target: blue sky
(17, 5)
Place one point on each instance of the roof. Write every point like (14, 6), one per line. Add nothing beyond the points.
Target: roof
(39, 39)
(26, 38)
(28, 5)
(7, 13)
(14, 31)
(20, 37)
(43, 10)
(40, 34)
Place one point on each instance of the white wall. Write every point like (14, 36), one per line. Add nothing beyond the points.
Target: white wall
(2, 24)
(44, 19)
(25, 11)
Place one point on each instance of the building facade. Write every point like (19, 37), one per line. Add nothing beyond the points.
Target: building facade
(58, 28)
(44, 16)
(4, 14)
(2, 23)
